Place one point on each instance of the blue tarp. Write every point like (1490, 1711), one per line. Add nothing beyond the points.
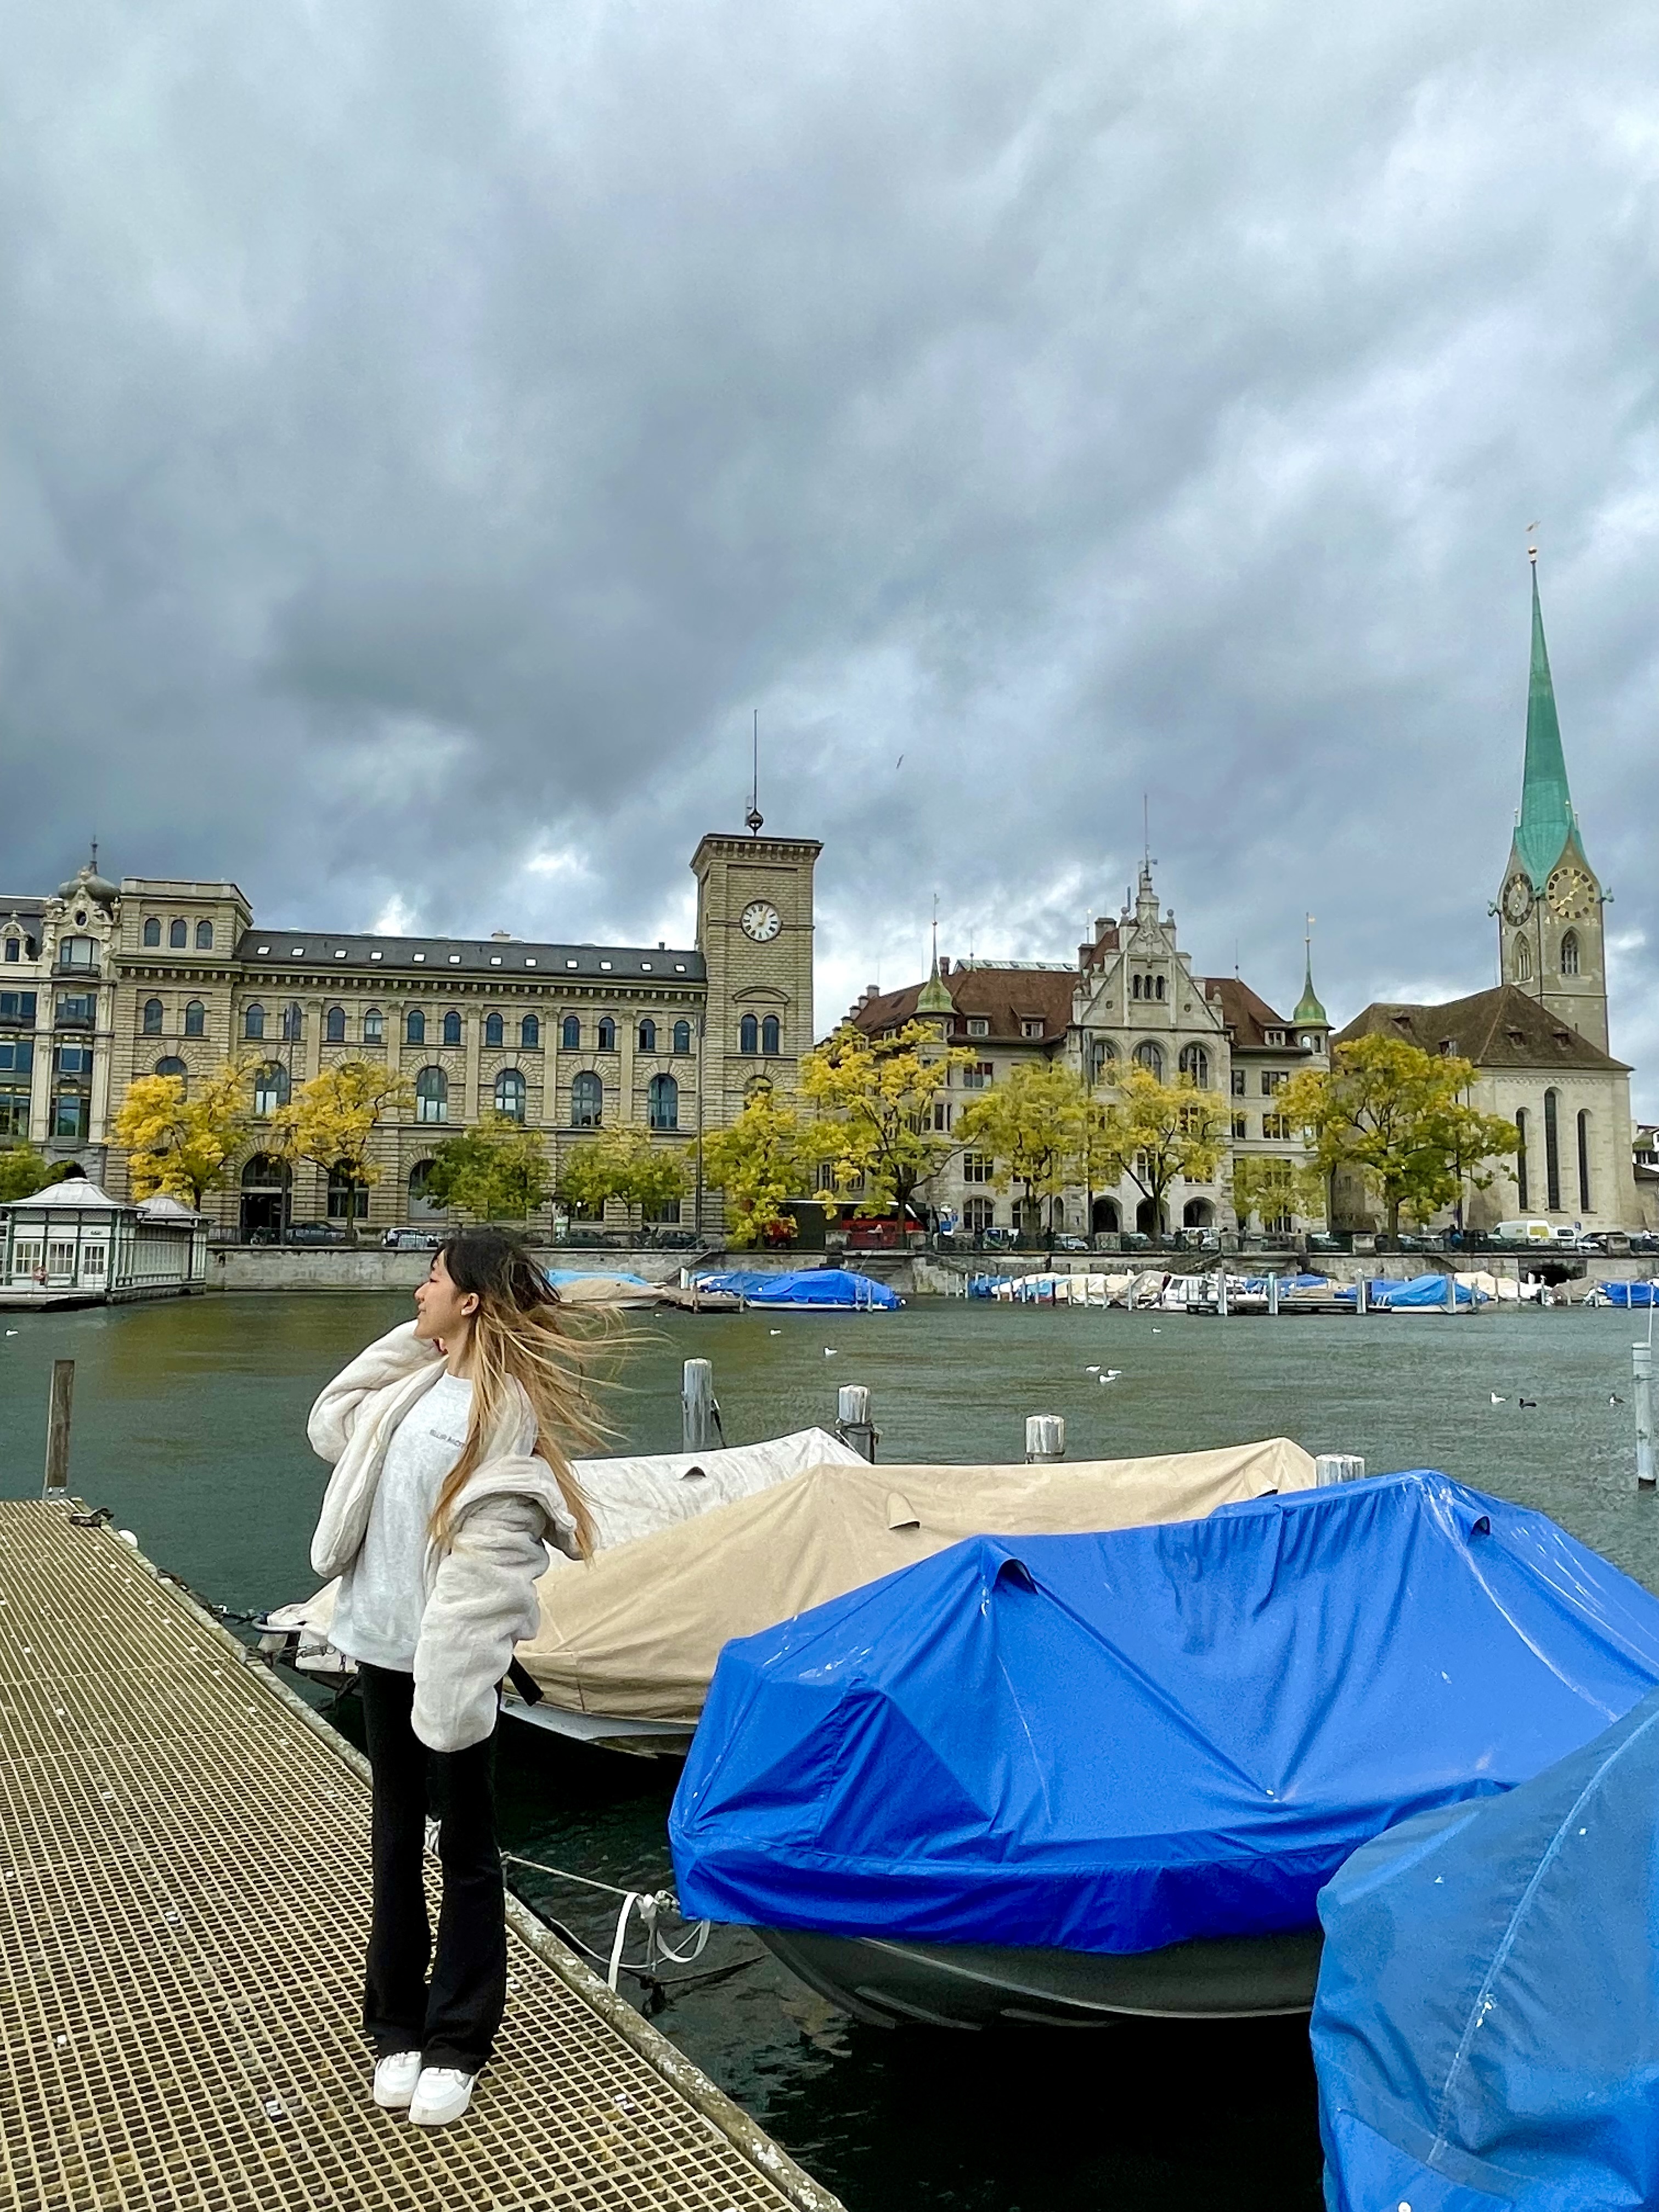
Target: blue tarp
(1487, 2025)
(1111, 1742)
(803, 1287)
(1632, 1294)
(1386, 1291)
(557, 1276)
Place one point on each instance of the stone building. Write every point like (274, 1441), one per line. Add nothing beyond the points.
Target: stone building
(101, 981)
(1539, 1039)
(1131, 995)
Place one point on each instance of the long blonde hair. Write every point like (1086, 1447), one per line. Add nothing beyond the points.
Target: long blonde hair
(522, 1335)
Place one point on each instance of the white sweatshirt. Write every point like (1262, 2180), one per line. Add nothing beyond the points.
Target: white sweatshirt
(480, 1588)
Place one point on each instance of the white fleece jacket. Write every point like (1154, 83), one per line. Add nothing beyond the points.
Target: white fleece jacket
(481, 1586)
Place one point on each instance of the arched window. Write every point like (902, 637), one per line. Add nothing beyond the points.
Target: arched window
(253, 1022)
(1151, 1057)
(682, 1036)
(432, 1095)
(348, 1198)
(1197, 1213)
(270, 1088)
(662, 1103)
(570, 1033)
(1196, 1063)
(152, 1017)
(1552, 1152)
(1157, 987)
(334, 1025)
(1104, 1219)
(493, 1032)
(422, 1206)
(1521, 1160)
(977, 1215)
(414, 1026)
(170, 1064)
(451, 1027)
(607, 1034)
(374, 1026)
(195, 1019)
(530, 1033)
(178, 935)
(1101, 1053)
(293, 1022)
(265, 1184)
(647, 1035)
(1135, 987)
(152, 929)
(1570, 953)
(770, 1037)
(509, 1094)
(1583, 1163)
(1523, 959)
(587, 1101)
(748, 1034)
(77, 952)
(204, 936)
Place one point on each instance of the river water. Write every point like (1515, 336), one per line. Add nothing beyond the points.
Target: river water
(189, 1424)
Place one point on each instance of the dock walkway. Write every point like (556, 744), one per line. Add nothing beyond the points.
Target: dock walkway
(184, 1855)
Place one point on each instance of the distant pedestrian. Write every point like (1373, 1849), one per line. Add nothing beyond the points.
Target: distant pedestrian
(449, 1439)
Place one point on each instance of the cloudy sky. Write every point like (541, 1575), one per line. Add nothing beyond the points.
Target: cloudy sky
(427, 433)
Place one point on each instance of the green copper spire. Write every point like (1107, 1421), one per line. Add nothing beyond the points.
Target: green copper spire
(1308, 1009)
(935, 999)
(1547, 820)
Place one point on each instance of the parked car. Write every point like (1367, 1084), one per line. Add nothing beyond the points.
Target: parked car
(1073, 1244)
(413, 1240)
(315, 1232)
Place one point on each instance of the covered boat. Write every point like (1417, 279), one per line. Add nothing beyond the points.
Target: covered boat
(1486, 2031)
(629, 1646)
(1070, 1776)
(836, 1290)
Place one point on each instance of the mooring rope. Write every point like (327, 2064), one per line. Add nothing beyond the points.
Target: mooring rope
(650, 1905)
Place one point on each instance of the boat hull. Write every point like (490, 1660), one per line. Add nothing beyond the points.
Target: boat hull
(892, 1983)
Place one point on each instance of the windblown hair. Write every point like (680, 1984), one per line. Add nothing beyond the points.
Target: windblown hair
(522, 1335)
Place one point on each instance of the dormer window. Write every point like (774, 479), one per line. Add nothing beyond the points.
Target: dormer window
(1030, 1028)
(1275, 1036)
(978, 1025)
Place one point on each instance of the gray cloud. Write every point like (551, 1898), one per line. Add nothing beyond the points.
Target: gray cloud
(426, 433)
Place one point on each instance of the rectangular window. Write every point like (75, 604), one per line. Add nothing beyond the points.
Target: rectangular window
(60, 1256)
(978, 1025)
(977, 1167)
(92, 1262)
(1240, 1126)
(74, 1059)
(941, 1116)
(14, 1112)
(1276, 1127)
(978, 1077)
(16, 1055)
(24, 1258)
(77, 1007)
(1272, 1079)
(17, 1005)
(72, 1117)
(1030, 1028)
(1238, 1083)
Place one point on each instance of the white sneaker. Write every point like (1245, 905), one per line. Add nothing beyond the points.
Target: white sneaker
(441, 2094)
(395, 2078)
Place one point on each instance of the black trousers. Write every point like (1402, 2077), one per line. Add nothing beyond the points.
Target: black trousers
(452, 2023)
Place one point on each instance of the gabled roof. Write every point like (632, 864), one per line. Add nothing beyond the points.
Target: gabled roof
(1501, 1028)
(503, 957)
(1006, 997)
(1244, 1012)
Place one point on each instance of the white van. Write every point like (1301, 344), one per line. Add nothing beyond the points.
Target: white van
(1525, 1232)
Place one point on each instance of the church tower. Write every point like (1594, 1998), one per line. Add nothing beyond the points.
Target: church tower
(1549, 910)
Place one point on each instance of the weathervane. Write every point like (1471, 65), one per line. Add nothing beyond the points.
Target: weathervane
(1532, 543)
(754, 820)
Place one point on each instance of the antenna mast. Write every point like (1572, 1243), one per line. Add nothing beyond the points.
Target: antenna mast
(755, 820)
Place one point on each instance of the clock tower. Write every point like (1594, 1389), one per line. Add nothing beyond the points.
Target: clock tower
(755, 932)
(1549, 910)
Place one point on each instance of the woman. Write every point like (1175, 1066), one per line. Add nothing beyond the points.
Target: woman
(450, 1476)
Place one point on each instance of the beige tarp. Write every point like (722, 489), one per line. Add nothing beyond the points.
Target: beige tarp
(635, 1633)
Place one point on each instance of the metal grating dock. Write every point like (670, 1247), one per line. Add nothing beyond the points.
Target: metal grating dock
(183, 1854)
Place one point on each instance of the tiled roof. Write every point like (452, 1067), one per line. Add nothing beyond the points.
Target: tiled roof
(1006, 997)
(278, 949)
(1501, 1028)
(1246, 1014)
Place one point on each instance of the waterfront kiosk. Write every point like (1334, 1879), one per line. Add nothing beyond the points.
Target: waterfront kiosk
(73, 1244)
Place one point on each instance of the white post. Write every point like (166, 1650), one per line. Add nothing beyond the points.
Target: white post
(1452, 1292)
(1641, 1368)
(1272, 1295)
(1360, 1304)
(1221, 1292)
(1339, 1466)
(853, 1422)
(1045, 1438)
(698, 1412)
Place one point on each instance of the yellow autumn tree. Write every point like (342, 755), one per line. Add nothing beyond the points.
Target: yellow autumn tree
(330, 1123)
(179, 1142)
(875, 1099)
(1032, 1127)
(1156, 1132)
(624, 1164)
(760, 1160)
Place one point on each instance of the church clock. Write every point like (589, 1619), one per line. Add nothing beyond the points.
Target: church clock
(1572, 893)
(1517, 899)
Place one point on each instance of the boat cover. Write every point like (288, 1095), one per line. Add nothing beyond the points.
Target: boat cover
(803, 1287)
(1630, 1294)
(1486, 2030)
(1113, 1742)
(636, 1632)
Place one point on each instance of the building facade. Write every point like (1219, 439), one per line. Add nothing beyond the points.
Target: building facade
(1131, 997)
(103, 981)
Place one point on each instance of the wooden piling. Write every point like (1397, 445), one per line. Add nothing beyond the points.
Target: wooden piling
(698, 1412)
(1641, 1366)
(853, 1422)
(1045, 1438)
(58, 1428)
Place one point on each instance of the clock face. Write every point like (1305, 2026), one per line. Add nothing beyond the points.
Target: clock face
(1572, 893)
(1517, 900)
(762, 921)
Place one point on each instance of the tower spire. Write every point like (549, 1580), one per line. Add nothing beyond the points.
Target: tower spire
(1546, 818)
(1308, 1009)
(754, 820)
(934, 998)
